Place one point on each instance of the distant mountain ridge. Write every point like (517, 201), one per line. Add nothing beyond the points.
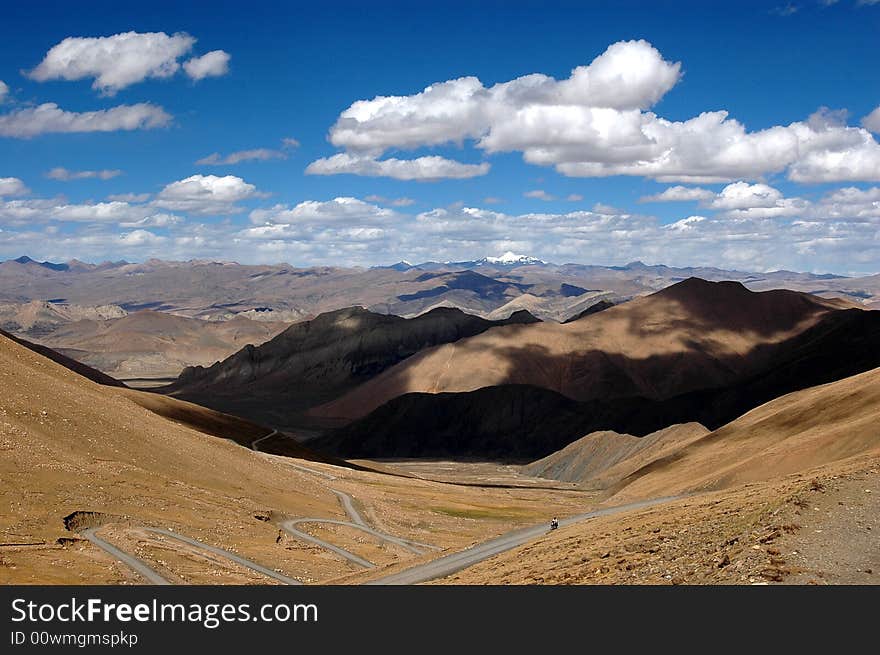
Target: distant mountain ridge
(219, 290)
(74, 265)
(508, 258)
(511, 259)
(24, 259)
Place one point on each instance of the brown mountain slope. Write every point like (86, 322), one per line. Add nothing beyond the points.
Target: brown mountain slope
(790, 489)
(653, 446)
(187, 414)
(68, 363)
(798, 431)
(693, 335)
(525, 421)
(72, 445)
(216, 423)
(156, 344)
(608, 455)
(73, 449)
(317, 360)
(38, 318)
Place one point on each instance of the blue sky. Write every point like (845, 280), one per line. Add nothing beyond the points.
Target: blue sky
(567, 171)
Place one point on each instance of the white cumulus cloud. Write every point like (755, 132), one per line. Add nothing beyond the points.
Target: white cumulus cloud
(742, 195)
(114, 62)
(686, 224)
(424, 169)
(344, 209)
(213, 64)
(628, 75)
(872, 121)
(64, 175)
(680, 194)
(12, 186)
(744, 200)
(848, 204)
(334, 226)
(45, 210)
(206, 194)
(50, 118)
(598, 123)
(141, 238)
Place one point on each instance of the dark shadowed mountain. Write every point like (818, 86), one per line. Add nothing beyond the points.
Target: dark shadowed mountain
(529, 420)
(693, 335)
(315, 361)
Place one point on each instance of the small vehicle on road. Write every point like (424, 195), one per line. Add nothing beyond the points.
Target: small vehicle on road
(554, 523)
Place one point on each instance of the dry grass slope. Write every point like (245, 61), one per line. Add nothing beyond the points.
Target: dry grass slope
(795, 432)
(604, 457)
(72, 445)
(156, 344)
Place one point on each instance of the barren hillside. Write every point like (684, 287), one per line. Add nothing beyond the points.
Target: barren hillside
(77, 454)
(693, 335)
(317, 360)
(603, 456)
(156, 344)
(795, 432)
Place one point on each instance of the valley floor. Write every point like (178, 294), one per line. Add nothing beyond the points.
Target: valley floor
(816, 527)
(449, 517)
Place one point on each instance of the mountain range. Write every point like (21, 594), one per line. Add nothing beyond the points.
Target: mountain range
(700, 387)
(698, 351)
(39, 300)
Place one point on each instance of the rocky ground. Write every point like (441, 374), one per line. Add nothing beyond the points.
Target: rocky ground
(839, 539)
(816, 528)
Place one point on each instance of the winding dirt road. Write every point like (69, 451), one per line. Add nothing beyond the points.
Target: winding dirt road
(256, 442)
(153, 577)
(437, 568)
(449, 564)
(226, 554)
(358, 523)
(131, 562)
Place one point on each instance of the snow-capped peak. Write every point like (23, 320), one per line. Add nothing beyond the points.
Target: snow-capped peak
(509, 258)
